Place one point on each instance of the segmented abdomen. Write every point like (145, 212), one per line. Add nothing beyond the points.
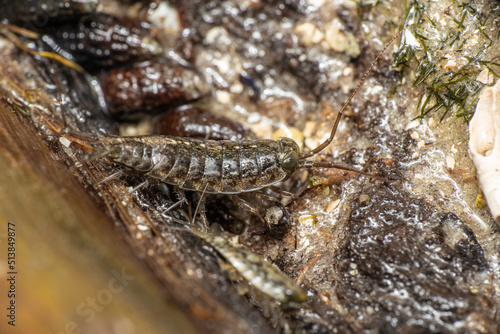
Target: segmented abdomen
(224, 166)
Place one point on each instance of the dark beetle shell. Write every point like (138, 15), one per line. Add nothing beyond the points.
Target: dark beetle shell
(150, 85)
(194, 122)
(43, 11)
(102, 40)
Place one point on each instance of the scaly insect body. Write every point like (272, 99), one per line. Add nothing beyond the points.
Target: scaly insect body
(262, 275)
(227, 167)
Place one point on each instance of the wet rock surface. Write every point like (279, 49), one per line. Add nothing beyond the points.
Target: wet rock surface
(404, 260)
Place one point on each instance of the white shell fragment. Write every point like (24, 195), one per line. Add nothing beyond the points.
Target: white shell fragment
(484, 146)
(166, 18)
(309, 33)
(64, 141)
(485, 77)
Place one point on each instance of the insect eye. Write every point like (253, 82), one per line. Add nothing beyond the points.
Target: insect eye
(290, 160)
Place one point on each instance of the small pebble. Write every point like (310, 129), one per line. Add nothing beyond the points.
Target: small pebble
(166, 18)
(311, 143)
(325, 297)
(413, 124)
(347, 71)
(450, 162)
(215, 33)
(432, 122)
(316, 3)
(485, 77)
(309, 128)
(451, 65)
(364, 199)
(308, 33)
(223, 96)
(338, 41)
(332, 206)
(308, 219)
(236, 88)
(64, 141)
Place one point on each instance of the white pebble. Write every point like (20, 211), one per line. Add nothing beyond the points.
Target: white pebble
(166, 18)
(223, 96)
(236, 88)
(485, 77)
(309, 128)
(413, 124)
(64, 141)
(308, 33)
(332, 206)
(215, 33)
(432, 122)
(450, 162)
